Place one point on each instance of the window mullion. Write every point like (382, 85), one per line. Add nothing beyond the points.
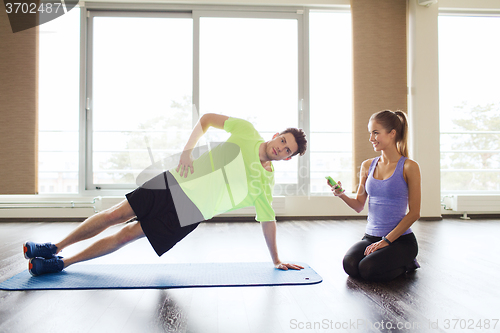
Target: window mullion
(196, 67)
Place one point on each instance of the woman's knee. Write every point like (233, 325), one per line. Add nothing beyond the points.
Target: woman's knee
(353, 256)
(351, 264)
(368, 270)
(373, 270)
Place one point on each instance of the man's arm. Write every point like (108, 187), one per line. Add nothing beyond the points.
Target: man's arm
(269, 229)
(206, 121)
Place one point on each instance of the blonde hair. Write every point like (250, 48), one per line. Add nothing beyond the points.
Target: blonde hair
(398, 121)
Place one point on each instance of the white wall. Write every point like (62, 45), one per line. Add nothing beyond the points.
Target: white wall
(423, 83)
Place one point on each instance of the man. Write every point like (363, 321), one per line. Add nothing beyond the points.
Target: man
(235, 174)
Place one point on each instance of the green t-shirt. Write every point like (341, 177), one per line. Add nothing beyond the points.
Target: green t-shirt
(230, 176)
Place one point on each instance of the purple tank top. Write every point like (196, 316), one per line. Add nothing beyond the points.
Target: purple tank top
(388, 200)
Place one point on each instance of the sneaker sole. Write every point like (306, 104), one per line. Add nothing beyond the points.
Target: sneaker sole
(30, 267)
(25, 250)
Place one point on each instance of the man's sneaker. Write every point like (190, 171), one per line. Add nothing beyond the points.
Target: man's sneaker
(38, 266)
(35, 250)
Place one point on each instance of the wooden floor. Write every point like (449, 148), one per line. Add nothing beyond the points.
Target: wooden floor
(455, 290)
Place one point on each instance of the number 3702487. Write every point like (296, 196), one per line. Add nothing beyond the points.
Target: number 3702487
(471, 324)
(32, 7)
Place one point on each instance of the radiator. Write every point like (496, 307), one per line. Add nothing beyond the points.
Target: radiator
(470, 203)
(95, 204)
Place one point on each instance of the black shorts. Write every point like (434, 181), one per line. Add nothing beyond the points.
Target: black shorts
(155, 210)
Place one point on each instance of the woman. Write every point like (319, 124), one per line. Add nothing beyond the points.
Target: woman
(392, 181)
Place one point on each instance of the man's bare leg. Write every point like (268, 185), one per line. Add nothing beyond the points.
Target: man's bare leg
(95, 224)
(127, 234)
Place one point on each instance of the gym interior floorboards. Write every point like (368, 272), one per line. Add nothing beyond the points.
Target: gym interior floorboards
(456, 289)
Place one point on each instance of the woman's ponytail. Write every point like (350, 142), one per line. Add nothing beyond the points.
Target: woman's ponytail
(402, 142)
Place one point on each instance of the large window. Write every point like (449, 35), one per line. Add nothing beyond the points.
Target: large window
(151, 74)
(58, 104)
(142, 98)
(139, 95)
(249, 69)
(331, 99)
(469, 103)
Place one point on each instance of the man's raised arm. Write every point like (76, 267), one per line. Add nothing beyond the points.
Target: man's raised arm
(206, 121)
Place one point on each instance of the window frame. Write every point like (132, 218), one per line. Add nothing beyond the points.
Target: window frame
(88, 98)
(465, 13)
(279, 189)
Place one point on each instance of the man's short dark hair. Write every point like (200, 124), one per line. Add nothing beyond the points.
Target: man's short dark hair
(300, 138)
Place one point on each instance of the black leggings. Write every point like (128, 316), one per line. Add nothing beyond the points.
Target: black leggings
(384, 264)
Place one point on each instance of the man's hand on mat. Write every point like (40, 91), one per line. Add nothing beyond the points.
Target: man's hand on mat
(286, 266)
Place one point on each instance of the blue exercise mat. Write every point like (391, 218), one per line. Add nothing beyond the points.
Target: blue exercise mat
(163, 276)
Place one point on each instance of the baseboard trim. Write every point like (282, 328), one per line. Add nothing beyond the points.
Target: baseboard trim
(214, 219)
(40, 219)
(252, 219)
(473, 216)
